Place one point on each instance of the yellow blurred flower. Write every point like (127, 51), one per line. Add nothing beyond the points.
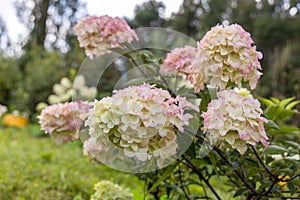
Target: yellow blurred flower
(14, 120)
(284, 180)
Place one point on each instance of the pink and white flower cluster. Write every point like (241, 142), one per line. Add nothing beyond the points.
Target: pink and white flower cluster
(226, 54)
(99, 34)
(179, 60)
(236, 119)
(140, 120)
(63, 121)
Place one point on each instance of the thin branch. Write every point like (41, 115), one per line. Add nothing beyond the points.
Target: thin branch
(230, 178)
(292, 178)
(283, 197)
(263, 165)
(131, 59)
(201, 177)
(270, 188)
(176, 81)
(221, 154)
(164, 80)
(287, 191)
(181, 185)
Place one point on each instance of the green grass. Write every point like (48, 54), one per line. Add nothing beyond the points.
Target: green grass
(32, 166)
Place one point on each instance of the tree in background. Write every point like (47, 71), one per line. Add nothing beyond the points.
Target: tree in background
(4, 38)
(148, 14)
(49, 51)
(274, 24)
(195, 17)
(49, 22)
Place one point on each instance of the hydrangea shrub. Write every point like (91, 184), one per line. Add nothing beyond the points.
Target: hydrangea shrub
(144, 121)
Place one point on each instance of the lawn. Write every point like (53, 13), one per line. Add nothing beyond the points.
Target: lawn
(32, 166)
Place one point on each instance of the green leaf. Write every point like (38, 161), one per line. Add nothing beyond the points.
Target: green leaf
(293, 162)
(284, 102)
(235, 165)
(252, 171)
(163, 177)
(271, 112)
(267, 102)
(239, 192)
(205, 99)
(284, 114)
(252, 162)
(296, 145)
(269, 159)
(276, 101)
(150, 69)
(137, 195)
(292, 188)
(77, 198)
(274, 149)
(291, 105)
(191, 151)
(271, 125)
(136, 81)
(289, 129)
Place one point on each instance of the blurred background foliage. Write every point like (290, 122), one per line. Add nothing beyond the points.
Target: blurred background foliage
(50, 51)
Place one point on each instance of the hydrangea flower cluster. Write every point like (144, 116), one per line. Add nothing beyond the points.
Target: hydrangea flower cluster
(179, 60)
(99, 34)
(140, 120)
(62, 92)
(63, 121)
(65, 90)
(226, 54)
(81, 90)
(106, 190)
(236, 119)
